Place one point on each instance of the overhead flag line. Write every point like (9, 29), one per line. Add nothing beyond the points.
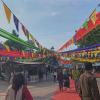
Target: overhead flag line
(8, 13)
(83, 30)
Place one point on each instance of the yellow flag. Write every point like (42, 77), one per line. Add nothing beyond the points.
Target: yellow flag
(93, 16)
(33, 39)
(6, 46)
(7, 12)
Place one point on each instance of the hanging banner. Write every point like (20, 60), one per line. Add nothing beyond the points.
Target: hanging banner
(16, 22)
(31, 37)
(37, 43)
(80, 33)
(7, 47)
(24, 29)
(67, 44)
(93, 16)
(98, 19)
(90, 26)
(27, 34)
(85, 25)
(7, 12)
(83, 31)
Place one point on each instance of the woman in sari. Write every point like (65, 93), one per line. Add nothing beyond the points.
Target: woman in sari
(18, 90)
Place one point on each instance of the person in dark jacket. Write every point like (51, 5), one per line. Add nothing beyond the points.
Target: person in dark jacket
(66, 79)
(88, 84)
(60, 79)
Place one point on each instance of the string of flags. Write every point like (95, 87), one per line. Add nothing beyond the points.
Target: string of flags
(88, 25)
(67, 44)
(9, 15)
(90, 54)
(94, 20)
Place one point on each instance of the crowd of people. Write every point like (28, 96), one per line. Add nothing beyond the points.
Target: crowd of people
(63, 79)
(84, 79)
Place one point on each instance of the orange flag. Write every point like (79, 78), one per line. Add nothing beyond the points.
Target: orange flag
(7, 12)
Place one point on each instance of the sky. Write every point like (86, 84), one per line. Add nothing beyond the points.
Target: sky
(52, 22)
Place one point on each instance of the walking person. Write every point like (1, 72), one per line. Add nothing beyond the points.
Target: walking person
(76, 76)
(11, 77)
(55, 76)
(26, 76)
(88, 84)
(46, 75)
(66, 79)
(18, 90)
(60, 80)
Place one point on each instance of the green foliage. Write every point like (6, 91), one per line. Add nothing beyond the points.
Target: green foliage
(93, 37)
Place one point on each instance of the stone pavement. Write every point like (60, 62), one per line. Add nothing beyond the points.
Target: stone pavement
(43, 90)
(3, 87)
(40, 91)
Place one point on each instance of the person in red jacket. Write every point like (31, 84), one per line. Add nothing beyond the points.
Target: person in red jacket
(18, 90)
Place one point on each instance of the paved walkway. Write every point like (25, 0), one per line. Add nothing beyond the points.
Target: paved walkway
(44, 91)
(40, 91)
(69, 94)
(3, 87)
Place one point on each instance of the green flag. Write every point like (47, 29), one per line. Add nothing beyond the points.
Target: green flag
(85, 25)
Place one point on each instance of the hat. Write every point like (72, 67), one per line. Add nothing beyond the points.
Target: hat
(88, 66)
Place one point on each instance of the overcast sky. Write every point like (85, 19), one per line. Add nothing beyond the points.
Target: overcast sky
(52, 22)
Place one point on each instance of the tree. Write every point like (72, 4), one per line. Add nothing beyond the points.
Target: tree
(93, 37)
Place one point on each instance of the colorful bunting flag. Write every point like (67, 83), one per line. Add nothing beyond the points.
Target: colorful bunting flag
(67, 44)
(85, 25)
(31, 37)
(72, 40)
(37, 43)
(7, 12)
(16, 21)
(7, 47)
(24, 29)
(27, 34)
(93, 16)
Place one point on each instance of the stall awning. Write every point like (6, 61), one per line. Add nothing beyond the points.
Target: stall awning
(30, 63)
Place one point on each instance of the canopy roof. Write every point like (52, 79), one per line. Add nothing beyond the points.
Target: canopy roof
(79, 49)
(30, 63)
